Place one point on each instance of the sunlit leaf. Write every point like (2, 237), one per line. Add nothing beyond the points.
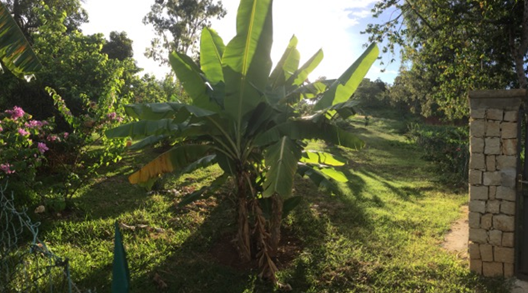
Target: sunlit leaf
(343, 88)
(246, 61)
(322, 158)
(190, 77)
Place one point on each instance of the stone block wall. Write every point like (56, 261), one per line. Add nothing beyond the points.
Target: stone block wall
(492, 180)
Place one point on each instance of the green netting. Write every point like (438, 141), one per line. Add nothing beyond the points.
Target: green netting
(26, 263)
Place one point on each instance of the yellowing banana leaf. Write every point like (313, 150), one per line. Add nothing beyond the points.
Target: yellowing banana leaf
(15, 51)
(175, 159)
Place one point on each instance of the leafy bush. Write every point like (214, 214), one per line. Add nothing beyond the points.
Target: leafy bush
(72, 163)
(32, 152)
(446, 146)
(23, 144)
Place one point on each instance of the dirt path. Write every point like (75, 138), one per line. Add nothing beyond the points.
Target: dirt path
(457, 239)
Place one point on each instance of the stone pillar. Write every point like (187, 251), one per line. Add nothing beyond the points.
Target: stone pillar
(492, 180)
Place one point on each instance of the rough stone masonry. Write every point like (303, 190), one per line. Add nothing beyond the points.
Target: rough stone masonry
(492, 180)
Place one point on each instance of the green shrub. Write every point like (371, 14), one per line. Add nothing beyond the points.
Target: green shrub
(446, 146)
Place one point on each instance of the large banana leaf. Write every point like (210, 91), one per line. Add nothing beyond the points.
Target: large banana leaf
(246, 61)
(191, 78)
(147, 141)
(143, 128)
(282, 158)
(302, 73)
(341, 90)
(305, 129)
(175, 159)
(319, 179)
(15, 52)
(211, 51)
(260, 118)
(155, 111)
(288, 64)
(202, 162)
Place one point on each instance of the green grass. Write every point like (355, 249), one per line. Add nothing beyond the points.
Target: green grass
(383, 235)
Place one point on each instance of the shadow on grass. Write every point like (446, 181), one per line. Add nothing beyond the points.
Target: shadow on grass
(193, 267)
(326, 225)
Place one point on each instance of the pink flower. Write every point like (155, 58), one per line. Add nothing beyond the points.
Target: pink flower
(42, 147)
(7, 168)
(34, 124)
(65, 134)
(1, 129)
(53, 137)
(22, 132)
(16, 113)
(111, 116)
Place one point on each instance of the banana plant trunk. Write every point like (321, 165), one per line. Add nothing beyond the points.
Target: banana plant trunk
(275, 223)
(243, 235)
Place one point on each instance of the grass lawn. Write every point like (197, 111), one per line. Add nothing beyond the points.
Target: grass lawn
(384, 235)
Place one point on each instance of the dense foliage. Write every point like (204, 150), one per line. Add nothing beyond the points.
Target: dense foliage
(79, 91)
(455, 46)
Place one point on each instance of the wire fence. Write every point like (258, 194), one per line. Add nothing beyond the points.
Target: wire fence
(26, 263)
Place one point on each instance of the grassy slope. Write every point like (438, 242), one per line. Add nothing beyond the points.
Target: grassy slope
(383, 236)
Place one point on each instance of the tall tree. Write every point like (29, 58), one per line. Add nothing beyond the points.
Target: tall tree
(25, 13)
(178, 23)
(461, 45)
(119, 46)
(371, 94)
(74, 67)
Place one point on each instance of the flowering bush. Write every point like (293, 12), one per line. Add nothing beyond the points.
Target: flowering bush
(22, 143)
(66, 160)
(23, 146)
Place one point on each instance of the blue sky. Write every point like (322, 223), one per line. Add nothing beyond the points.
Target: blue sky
(333, 25)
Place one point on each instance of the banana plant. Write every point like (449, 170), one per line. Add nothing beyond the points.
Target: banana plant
(244, 117)
(16, 54)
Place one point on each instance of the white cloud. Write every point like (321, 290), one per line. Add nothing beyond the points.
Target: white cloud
(360, 13)
(359, 3)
